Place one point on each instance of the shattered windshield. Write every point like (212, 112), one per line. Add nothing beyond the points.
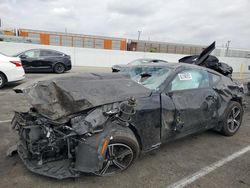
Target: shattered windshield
(150, 77)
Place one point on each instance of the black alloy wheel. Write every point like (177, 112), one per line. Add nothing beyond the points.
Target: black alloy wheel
(119, 157)
(59, 68)
(233, 119)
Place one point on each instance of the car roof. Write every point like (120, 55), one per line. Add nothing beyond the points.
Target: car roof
(45, 49)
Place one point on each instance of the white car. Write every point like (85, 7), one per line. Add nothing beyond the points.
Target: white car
(11, 69)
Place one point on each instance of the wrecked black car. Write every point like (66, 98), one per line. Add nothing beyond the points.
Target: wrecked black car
(100, 123)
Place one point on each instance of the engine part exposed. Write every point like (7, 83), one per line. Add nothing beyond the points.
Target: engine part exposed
(127, 109)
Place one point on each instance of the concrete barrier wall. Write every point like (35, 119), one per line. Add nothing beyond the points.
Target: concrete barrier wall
(107, 58)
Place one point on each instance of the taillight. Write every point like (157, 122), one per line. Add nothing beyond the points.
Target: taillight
(17, 63)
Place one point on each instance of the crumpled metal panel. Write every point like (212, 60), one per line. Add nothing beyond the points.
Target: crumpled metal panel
(59, 97)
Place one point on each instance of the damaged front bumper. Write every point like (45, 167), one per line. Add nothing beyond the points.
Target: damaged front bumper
(56, 169)
(43, 150)
(64, 149)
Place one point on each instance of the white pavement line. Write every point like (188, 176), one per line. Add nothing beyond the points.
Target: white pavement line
(190, 179)
(5, 121)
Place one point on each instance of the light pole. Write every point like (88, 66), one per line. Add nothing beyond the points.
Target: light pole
(139, 34)
(227, 46)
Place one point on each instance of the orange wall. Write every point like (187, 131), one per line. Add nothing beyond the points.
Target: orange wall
(44, 38)
(23, 34)
(123, 45)
(107, 44)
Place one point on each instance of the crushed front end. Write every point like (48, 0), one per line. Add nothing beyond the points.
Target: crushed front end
(63, 149)
(45, 147)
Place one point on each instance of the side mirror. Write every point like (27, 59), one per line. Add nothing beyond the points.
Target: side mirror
(23, 56)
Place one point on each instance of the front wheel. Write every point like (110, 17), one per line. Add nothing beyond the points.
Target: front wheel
(233, 118)
(121, 152)
(59, 68)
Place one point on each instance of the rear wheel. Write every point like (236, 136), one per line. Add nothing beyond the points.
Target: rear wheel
(59, 68)
(233, 119)
(121, 152)
(2, 80)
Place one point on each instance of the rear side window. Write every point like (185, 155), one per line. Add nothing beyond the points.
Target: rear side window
(47, 53)
(190, 79)
(57, 54)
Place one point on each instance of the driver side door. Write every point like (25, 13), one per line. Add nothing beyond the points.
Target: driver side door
(195, 103)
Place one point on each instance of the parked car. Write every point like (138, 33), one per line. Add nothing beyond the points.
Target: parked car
(117, 68)
(100, 122)
(11, 69)
(40, 60)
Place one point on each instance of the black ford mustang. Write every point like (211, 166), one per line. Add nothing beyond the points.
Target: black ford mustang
(100, 123)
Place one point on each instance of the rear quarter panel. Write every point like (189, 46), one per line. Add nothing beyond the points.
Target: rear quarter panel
(227, 91)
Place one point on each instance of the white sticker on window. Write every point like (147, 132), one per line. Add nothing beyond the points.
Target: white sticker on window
(185, 76)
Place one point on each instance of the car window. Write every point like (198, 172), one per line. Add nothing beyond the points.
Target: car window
(214, 78)
(45, 53)
(57, 54)
(32, 53)
(149, 77)
(48, 53)
(190, 79)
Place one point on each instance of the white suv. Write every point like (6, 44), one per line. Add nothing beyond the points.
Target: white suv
(11, 69)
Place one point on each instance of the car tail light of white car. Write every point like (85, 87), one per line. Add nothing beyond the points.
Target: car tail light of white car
(17, 63)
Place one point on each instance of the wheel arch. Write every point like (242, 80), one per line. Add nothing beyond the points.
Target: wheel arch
(237, 99)
(93, 145)
(59, 62)
(137, 135)
(4, 75)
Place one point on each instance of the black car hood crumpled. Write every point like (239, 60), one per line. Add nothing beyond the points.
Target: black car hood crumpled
(59, 97)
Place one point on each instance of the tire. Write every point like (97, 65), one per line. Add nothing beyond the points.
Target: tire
(232, 119)
(59, 68)
(122, 152)
(2, 80)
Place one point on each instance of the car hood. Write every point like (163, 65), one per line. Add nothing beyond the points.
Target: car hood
(59, 97)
